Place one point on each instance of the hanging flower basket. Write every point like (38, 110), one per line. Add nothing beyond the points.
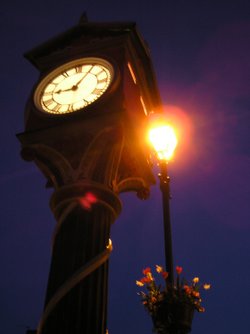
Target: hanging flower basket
(173, 317)
(171, 307)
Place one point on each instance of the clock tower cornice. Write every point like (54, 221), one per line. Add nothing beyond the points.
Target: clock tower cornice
(89, 33)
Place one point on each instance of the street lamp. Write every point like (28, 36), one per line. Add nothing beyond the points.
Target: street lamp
(164, 141)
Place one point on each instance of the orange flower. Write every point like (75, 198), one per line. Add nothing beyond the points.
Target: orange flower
(146, 280)
(150, 277)
(139, 283)
(206, 286)
(164, 274)
(159, 269)
(146, 271)
(187, 289)
(196, 294)
(178, 270)
(196, 280)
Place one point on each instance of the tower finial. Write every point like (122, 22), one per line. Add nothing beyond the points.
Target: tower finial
(83, 18)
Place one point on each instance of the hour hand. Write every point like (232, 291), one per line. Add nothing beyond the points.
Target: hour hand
(64, 90)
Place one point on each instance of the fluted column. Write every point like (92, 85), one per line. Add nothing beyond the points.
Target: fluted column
(84, 213)
(87, 170)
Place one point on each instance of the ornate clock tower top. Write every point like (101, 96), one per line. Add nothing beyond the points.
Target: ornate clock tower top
(109, 61)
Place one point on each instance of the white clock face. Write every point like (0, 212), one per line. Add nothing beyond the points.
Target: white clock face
(73, 86)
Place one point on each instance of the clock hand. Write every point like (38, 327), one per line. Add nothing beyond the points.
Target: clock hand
(82, 78)
(64, 90)
(74, 87)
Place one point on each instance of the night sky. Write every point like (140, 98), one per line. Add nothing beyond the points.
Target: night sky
(201, 54)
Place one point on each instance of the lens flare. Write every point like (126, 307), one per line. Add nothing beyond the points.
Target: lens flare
(88, 200)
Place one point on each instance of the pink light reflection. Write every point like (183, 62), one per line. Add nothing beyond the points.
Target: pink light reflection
(88, 200)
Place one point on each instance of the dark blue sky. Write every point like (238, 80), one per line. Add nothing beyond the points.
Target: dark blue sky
(200, 51)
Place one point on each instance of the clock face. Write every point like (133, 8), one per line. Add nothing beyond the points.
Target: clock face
(74, 85)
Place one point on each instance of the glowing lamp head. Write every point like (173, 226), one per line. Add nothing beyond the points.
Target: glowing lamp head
(164, 141)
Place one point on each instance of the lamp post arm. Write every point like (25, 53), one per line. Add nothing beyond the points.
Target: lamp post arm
(165, 189)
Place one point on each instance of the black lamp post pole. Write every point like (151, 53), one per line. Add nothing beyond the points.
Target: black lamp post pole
(165, 189)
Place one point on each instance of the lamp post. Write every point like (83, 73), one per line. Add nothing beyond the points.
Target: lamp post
(173, 311)
(164, 141)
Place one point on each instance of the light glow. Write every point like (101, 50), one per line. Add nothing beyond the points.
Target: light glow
(164, 141)
(143, 106)
(132, 72)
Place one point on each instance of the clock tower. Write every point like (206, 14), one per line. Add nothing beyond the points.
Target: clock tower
(85, 124)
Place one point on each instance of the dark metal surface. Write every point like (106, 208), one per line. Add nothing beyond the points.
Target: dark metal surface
(165, 189)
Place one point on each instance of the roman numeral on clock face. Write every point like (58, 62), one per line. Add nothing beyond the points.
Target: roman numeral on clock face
(97, 91)
(65, 74)
(101, 80)
(70, 108)
(57, 108)
(78, 69)
(48, 102)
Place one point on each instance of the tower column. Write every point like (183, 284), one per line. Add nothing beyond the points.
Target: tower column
(76, 299)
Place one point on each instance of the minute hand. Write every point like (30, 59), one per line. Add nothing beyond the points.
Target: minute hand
(82, 78)
(73, 88)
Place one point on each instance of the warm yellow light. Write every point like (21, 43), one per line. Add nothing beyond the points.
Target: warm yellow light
(164, 141)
